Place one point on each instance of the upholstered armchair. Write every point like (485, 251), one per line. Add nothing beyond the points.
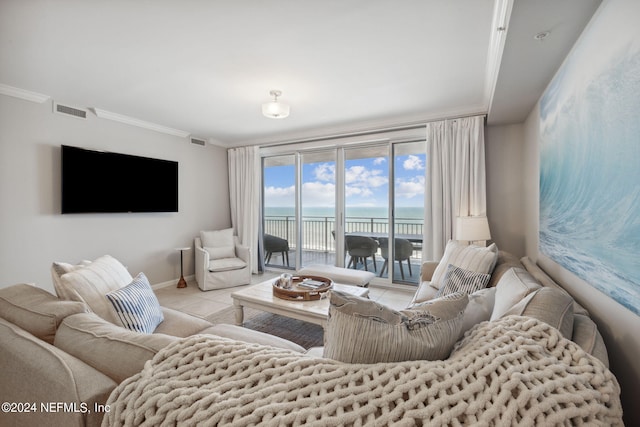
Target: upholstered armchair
(221, 261)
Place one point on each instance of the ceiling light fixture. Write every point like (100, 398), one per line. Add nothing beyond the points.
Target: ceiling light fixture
(275, 109)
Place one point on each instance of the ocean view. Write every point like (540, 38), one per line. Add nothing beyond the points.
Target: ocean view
(402, 213)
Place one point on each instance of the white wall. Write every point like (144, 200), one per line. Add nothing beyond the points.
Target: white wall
(505, 210)
(33, 233)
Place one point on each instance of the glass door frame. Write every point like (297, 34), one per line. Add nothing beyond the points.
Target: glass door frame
(338, 145)
(338, 209)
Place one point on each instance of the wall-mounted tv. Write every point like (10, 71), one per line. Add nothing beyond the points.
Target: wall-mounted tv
(103, 182)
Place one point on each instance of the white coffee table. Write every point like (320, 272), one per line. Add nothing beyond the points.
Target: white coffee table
(261, 297)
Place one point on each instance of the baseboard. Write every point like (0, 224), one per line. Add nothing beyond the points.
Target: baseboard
(173, 282)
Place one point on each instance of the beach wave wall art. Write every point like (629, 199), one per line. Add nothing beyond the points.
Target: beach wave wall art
(590, 157)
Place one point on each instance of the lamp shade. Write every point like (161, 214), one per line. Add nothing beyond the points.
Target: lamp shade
(472, 228)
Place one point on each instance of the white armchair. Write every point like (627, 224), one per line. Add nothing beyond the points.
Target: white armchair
(221, 261)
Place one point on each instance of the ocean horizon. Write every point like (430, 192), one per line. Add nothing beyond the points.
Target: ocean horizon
(404, 212)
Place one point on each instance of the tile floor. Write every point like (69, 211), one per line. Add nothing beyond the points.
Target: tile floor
(193, 301)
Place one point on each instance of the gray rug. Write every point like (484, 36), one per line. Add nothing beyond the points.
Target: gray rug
(302, 333)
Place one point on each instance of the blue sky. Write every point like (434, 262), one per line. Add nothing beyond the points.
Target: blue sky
(367, 183)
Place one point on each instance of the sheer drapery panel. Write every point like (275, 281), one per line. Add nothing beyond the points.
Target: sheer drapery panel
(455, 179)
(244, 198)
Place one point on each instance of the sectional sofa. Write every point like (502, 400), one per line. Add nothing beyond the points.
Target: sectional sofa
(522, 351)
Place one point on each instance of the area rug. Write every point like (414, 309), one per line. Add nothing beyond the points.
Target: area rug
(302, 333)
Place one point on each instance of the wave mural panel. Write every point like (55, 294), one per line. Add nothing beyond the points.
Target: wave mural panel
(590, 158)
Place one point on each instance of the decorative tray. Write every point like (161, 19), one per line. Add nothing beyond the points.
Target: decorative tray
(303, 287)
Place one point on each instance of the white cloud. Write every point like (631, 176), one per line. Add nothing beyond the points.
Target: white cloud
(325, 172)
(318, 194)
(411, 188)
(413, 163)
(361, 176)
(352, 191)
(360, 183)
(379, 160)
(279, 196)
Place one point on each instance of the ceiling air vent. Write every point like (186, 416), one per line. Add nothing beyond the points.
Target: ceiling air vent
(70, 111)
(198, 141)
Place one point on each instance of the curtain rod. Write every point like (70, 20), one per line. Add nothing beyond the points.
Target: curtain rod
(407, 126)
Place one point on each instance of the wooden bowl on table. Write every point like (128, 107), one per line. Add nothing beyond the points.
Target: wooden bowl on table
(303, 288)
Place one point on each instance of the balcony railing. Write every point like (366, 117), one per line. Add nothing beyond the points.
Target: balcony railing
(317, 232)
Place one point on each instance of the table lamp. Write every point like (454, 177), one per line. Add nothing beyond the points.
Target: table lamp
(472, 228)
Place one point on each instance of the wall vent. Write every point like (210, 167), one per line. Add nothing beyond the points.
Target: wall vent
(70, 111)
(198, 141)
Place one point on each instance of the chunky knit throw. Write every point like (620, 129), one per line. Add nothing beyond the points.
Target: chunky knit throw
(513, 371)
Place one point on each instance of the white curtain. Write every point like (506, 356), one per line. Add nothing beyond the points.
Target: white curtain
(244, 197)
(455, 179)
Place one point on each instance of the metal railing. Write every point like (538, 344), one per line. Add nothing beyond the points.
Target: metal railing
(317, 232)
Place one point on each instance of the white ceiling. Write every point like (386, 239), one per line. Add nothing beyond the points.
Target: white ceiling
(205, 67)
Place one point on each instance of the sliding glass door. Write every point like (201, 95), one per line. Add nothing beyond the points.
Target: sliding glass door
(358, 207)
(409, 161)
(279, 210)
(366, 205)
(318, 208)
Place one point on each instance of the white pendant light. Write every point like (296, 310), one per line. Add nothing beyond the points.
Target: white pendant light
(275, 109)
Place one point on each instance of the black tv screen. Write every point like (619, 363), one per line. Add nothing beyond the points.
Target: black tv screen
(103, 182)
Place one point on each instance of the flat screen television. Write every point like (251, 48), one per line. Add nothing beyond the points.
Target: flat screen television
(103, 182)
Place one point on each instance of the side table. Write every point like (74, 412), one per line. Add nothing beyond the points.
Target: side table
(182, 283)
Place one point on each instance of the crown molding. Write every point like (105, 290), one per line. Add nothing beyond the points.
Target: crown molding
(23, 94)
(499, 26)
(103, 114)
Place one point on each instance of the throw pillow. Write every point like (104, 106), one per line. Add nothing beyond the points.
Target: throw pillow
(460, 280)
(479, 308)
(58, 269)
(552, 306)
(137, 306)
(220, 253)
(91, 283)
(219, 244)
(469, 257)
(363, 331)
(586, 335)
(514, 285)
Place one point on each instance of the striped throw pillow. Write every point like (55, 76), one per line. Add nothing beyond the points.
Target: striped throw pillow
(137, 306)
(469, 257)
(363, 331)
(460, 280)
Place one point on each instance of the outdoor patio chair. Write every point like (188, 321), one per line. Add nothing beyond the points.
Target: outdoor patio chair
(359, 249)
(402, 251)
(278, 245)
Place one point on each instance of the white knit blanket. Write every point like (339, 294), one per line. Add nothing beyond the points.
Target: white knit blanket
(515, 371)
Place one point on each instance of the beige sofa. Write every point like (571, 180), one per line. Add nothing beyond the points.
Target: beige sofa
(578, 326)
(63, 351)
(61, 359)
